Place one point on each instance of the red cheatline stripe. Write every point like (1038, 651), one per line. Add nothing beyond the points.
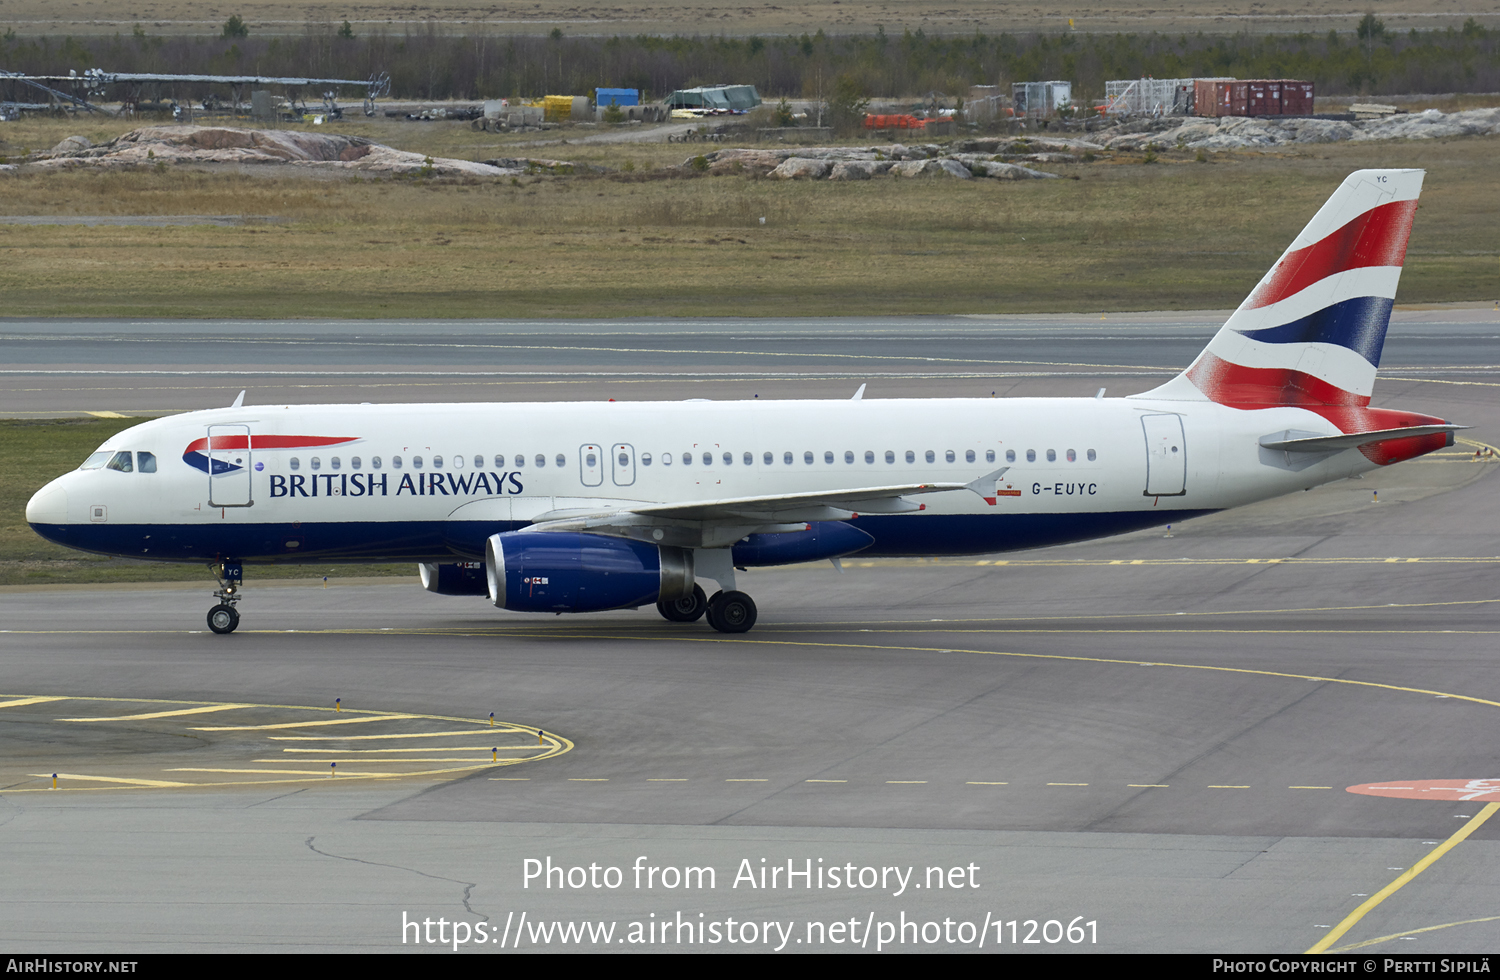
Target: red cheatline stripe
(1240, 386)
(268, 442)
(1377, 237)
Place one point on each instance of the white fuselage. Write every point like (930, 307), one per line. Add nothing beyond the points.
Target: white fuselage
(431, 482)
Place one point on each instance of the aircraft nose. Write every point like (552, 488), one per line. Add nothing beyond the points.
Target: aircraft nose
(48, 505)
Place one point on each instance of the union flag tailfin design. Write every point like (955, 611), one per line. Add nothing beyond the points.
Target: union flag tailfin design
(1310, 334)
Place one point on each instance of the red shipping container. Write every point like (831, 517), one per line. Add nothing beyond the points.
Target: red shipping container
(1296, 98)
(1239, 98)
(1210, 98)
(1264, 98)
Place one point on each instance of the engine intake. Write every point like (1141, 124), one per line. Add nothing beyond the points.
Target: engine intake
(566, 571)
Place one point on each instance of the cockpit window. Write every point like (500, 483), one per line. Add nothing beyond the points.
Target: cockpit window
(146, 462)
(96, 460)
(121, 462)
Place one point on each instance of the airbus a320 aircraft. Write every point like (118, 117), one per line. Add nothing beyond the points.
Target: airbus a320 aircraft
(583, 507)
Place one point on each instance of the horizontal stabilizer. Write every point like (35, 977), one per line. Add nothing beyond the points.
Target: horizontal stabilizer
(1296, 441)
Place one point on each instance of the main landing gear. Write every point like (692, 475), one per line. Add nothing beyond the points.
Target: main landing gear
(223, 618)
(728, 612)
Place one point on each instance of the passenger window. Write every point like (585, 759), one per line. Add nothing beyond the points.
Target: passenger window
(786, 458)
(645, 459)
(807, 457)
(666, 459)
(541, 460)
(520, 461)
(931, 456)
(437, 462)
(1092, 456)
(479, 462)
(317, 464)
(687, 459)
(989, 455)
(1010, 455)
(333, 463)
(869, 456)
(122, 463)
(969, 456)
(562, 460)
(911, 457)
(848, 456)
(949, 456)
(708, 459)
(374, 462)
(1031, 455)
(96, 460)
(768, 459)
(749, 459)
(395, 462)
(458, 462)
(1052, 455)
(354, 462)
(1072, 456)
(146, 462)
(890, 457)
(828, 456)
(729, 459)
(416, 463)
(295, 464)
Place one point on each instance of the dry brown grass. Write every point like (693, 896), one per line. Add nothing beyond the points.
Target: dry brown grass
(711, 18)
(1121, 236)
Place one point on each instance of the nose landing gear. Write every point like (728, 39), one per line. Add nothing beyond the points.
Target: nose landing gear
(223, 618)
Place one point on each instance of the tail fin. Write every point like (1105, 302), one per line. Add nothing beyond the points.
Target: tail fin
(1311, 333)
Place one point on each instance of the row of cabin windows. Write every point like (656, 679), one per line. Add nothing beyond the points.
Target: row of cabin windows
(768, 459)
(829, 457)
(417, 462)
(809, 457)
(121, 462)
(146, 462)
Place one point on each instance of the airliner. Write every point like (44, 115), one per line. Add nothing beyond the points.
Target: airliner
(583, 507)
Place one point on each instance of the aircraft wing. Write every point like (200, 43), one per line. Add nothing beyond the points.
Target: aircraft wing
(712, 519)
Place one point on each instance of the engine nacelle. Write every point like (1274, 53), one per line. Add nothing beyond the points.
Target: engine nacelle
(822, 539)
(462, 578)
(566, 571)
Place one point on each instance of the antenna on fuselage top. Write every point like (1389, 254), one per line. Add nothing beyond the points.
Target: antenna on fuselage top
(858, 394)
(238, 400)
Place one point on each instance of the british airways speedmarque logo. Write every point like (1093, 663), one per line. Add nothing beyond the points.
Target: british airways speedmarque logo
(197, 453)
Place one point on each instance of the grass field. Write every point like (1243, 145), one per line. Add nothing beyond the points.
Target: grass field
(1121, 235)
(737, 18)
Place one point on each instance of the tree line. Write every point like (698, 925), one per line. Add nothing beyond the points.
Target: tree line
(1367, 60)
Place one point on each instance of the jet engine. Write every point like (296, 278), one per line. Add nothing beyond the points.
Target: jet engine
(565, 571)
